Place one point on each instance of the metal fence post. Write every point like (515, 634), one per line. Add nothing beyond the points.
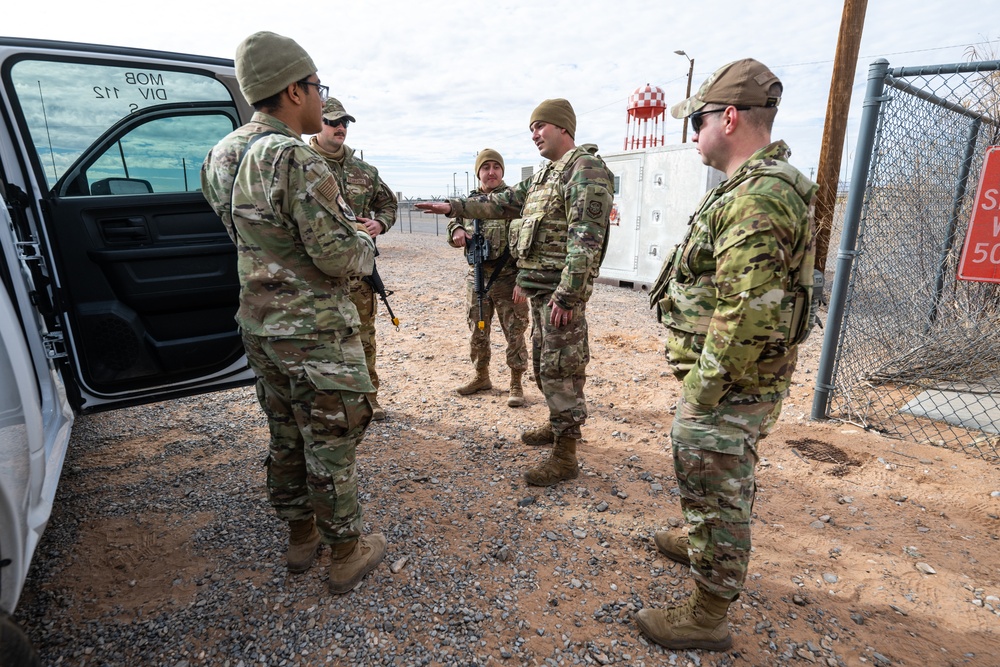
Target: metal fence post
(848, 239)
(956, 207)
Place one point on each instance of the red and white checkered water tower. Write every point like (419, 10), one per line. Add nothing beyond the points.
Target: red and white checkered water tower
(646, 104)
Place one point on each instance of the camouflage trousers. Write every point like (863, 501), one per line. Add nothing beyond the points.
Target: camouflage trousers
(315, 431)
(715, 455)
(363, 298)
(559, 358)
(513, 319)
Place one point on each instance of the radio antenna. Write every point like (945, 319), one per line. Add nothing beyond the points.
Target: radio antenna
(48, 135)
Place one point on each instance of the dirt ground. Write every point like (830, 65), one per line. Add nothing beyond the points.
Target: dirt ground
(867, 550)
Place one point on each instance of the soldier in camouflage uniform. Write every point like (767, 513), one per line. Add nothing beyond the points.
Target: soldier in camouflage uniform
(298, 243)
(513, 316)
(559, 238)
(736, 298)
(368, 195)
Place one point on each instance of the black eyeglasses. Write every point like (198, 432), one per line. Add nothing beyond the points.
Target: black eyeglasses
(696, 117)
(337, 123)
(323, 91)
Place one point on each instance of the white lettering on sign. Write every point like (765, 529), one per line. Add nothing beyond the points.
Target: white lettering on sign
(980, 260)
(981, 254)
(991, 197)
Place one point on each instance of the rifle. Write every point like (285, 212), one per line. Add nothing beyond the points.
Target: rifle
(477, 251)
(375, 282)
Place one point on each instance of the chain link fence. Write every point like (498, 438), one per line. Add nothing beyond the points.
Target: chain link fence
(909, 350)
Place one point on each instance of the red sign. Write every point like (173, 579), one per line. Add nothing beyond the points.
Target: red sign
(981, 253)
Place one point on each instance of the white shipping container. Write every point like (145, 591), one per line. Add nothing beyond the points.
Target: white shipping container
(656, 191)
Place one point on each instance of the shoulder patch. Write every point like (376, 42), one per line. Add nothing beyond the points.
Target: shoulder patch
(595, 208)
(328, 189)
(345, 209)
(328, 192)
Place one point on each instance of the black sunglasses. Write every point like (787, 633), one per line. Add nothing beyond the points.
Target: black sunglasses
(338, 122)
(696, 117)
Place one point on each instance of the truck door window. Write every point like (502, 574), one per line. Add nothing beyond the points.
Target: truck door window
(66, 106)
(162, 155)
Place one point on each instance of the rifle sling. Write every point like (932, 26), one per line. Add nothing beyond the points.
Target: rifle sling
(501, 262)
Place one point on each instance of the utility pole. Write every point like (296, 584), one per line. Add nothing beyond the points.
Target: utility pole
(845, 62)
(684, 132)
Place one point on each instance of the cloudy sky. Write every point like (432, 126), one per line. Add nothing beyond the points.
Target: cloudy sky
(433, 82)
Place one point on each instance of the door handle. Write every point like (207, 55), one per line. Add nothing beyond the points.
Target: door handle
(132, 229)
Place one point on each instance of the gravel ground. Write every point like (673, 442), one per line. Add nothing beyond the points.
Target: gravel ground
(162, 549)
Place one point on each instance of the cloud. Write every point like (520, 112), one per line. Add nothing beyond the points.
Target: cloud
(433, 82)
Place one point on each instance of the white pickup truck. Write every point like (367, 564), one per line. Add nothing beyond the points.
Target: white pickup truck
(119, 283)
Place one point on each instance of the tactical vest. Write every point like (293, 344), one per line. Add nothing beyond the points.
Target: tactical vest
(538, 238)
(689, 307)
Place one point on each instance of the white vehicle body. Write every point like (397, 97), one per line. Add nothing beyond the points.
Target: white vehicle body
(118, 283)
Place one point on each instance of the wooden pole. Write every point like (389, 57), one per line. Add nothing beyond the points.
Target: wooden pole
(684, 132)
(828, 175)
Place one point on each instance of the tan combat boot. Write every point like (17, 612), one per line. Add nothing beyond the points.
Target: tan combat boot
(378, 413)
(560, 465)
(700, 623)
(673, 544)
(479, 383)
(351, 561)
(516, 397)
(303, 542)
(539, 437)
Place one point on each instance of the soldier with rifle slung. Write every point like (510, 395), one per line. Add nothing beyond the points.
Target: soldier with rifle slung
(490, 285)
(368, 195)
(559, 237)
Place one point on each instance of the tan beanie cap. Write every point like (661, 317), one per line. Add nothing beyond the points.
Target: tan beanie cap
(266, 63)
(559, 112)
(486, 155)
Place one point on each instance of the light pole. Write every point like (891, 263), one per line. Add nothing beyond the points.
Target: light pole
(467, 190)
(454, 187)
(684, 132)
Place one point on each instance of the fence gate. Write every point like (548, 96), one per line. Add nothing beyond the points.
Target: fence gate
(910, 350)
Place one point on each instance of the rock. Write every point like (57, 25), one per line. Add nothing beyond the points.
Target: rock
(830, 578)
(600, 657)
(399, 564)
(925, 568)
(602, 506)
